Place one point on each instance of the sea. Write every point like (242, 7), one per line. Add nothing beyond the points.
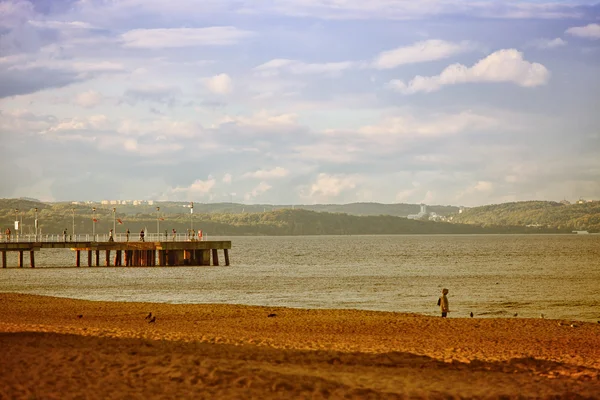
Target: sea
(492, 276)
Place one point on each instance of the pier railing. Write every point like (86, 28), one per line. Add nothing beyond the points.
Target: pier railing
(88, 237)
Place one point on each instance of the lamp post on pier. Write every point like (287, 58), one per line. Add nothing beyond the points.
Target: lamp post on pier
(114, 222)
(158, 223)
(17, 223)
(73, 212)
(192, 216)
(35, 223)
(94, 224)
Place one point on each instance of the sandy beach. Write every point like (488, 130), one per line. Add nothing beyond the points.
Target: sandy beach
(64, 348)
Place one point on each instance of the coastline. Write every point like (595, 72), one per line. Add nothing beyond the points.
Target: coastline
(343, 352)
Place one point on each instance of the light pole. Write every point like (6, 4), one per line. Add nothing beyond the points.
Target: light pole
(94, 224)
(114, 222)
(17, 223)
(73, 211)
(36, 225)
(192, 216)
(158, 223)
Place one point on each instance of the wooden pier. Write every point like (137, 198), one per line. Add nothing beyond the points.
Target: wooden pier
(129, 254)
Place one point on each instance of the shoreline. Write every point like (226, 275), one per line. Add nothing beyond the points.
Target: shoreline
(546, 356)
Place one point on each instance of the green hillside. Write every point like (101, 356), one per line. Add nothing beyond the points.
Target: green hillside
(542, 214)
(55, 217)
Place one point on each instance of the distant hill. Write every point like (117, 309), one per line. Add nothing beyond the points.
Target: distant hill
(536, 214)
(55, 217)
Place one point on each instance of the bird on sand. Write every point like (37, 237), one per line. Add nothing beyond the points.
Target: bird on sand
(542, 316)
(471, 314)
(80, 316)
(153, 319)
(149, 316)
(515, 315)
(271, 315)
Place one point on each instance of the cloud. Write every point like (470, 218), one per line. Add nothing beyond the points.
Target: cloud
(410, 9)
(152, 93)
(219, 84)
(257, 191)
(227, 178)
(278, 65)
(432, 126)
(262, 119)
(197, 188)
(591, 31)
(277, 172)
(428, 50)
(183, 37)
(505, 65)
(88, 99)
(549, 43)
(329, 186)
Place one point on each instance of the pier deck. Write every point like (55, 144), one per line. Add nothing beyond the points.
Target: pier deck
(129, 254)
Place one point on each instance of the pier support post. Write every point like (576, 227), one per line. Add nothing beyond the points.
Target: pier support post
(89, 258)
(3, 259)
(226, 252)
(32, 258)
(78, 258)
(136, 258)
(20, 258)
(107, 258)
(97, 258)
(118, 258)
(215, 256)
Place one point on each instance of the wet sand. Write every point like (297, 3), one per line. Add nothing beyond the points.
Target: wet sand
(65, 348)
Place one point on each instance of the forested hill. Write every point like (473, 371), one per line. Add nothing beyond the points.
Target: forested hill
(54, 218)
(542, 214)
(176, 207)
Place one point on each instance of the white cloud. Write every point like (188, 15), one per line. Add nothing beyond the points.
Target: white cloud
(428, 50)
(549, 43)
(257, 191)
(329, 186)
(197, 188)
(227, 178)
(433, 125)
(88, 99)
(262, 119)
(277, 172)
(591, 31)
(275, 66)
(93, 122)
(61, 25)
(505, 65)
(219, 84)
(183, 37)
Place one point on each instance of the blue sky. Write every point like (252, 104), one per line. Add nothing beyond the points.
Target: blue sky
(300, 101)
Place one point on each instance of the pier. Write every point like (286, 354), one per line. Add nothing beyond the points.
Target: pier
(126, 253)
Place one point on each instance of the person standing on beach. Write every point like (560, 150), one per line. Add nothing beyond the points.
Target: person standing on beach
(443, 303)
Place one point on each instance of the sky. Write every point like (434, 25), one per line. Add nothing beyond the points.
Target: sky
(450, 102)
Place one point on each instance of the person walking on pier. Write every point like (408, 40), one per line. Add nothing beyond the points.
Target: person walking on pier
(65, 235)
(110, 236)
(7, 232)
(142, 235)
(174, 234)
(127, 234)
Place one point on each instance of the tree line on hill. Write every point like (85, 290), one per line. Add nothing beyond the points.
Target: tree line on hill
(56, 217)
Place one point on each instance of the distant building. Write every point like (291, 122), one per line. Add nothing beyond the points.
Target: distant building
(421, 213)
(104, 202)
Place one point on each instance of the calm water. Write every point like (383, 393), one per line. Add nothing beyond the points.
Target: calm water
(493, 276)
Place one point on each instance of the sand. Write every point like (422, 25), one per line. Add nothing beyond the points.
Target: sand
(55, 348)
